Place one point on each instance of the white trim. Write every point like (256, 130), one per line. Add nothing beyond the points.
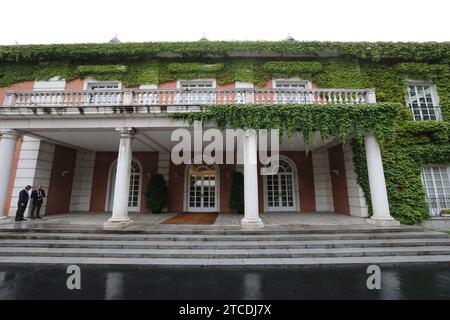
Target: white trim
(50, 85)
(295, 189)
(243, 85)
(186, 207)
(108, 188)
(214, 82)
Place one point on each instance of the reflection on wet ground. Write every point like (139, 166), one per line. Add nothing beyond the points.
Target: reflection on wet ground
(116, 282)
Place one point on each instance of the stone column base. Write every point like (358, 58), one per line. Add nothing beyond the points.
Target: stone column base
(384, 222)
(252, 224)
(116, 225)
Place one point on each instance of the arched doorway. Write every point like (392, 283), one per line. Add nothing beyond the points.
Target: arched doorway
(280, 190)
(202, 188)
(135, 186)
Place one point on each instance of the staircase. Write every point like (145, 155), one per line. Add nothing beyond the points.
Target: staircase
(233, 247)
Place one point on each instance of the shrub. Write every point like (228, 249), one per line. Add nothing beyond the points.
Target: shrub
(237, 192)
(157, 194)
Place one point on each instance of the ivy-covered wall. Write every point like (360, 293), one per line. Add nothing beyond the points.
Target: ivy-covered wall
(383, 66)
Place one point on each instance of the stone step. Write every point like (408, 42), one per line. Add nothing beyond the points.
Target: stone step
(243, 237)
(239, 263)
(211, 230)
(227, 254)
(250, 244)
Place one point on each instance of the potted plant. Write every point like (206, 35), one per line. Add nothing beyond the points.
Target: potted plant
(237, 192)
(157, 194)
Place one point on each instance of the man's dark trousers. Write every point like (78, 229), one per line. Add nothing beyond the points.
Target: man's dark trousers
(35, 205)
(20, 212)
(21, 204)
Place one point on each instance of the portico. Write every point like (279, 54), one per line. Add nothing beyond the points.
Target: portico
(139, 132)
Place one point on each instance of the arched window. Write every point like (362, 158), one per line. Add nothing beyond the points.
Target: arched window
(135, 185)
(280, 188)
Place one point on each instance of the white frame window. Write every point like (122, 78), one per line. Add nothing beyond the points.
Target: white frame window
(287, 90)
(102, 92)
(201, 193)
(102, 85)
(423, 101)
(436, 182)
(198, 91)
(282, 188)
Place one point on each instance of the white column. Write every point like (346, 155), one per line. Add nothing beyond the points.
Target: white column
(120, 217)
(8, 141)
(377, 183)
(251, 218)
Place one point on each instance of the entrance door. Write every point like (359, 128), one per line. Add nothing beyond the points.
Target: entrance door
(135, 186)
(202, 193)
(280, 189)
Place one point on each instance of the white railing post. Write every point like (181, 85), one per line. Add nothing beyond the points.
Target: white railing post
(249, 96)
(370, 96)
(127, 98)
(10, 99)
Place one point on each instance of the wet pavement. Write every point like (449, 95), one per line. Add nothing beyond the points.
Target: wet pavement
(45, 282)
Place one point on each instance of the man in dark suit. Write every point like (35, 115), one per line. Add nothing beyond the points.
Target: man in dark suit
(22, 203)
(37, 199)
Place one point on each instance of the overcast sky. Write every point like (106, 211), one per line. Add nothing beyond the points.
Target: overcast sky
(53, 21)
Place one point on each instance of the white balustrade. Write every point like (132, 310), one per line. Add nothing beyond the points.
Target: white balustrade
(168, 97)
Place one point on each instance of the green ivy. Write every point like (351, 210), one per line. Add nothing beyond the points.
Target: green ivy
(195, 67)
(415, 144)
(100, 69)
(342, 73)
(332, 121)
(289, 68)
(376, 51)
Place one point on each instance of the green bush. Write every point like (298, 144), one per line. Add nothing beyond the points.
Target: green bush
(237, 192)
(157, 194)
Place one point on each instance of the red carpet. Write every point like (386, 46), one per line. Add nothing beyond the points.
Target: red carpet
(192, 218)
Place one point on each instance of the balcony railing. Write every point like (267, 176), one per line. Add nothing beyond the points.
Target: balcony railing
(181, 97)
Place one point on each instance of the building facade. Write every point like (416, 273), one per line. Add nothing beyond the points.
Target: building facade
(93, 141)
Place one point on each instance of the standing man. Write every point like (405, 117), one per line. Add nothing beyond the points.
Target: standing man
(22, 203)
(37, 198)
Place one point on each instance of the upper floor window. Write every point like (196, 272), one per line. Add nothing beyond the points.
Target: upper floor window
(54, 84)
(103, 92)
(288, 91)
(103, 86)
(202, 91)
(436, 181)
(290, 84)
(422, 99)
(196, 84)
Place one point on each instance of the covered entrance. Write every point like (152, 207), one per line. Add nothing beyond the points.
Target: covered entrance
(202, 188)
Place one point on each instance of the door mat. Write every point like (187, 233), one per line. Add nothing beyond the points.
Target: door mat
(192, 218)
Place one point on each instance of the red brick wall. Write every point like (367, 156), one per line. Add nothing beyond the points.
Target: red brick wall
(60, 187)
(176, 187)
(338, 182)
(21, 86)
(76, 84)
(226, 172)
(103, 162)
